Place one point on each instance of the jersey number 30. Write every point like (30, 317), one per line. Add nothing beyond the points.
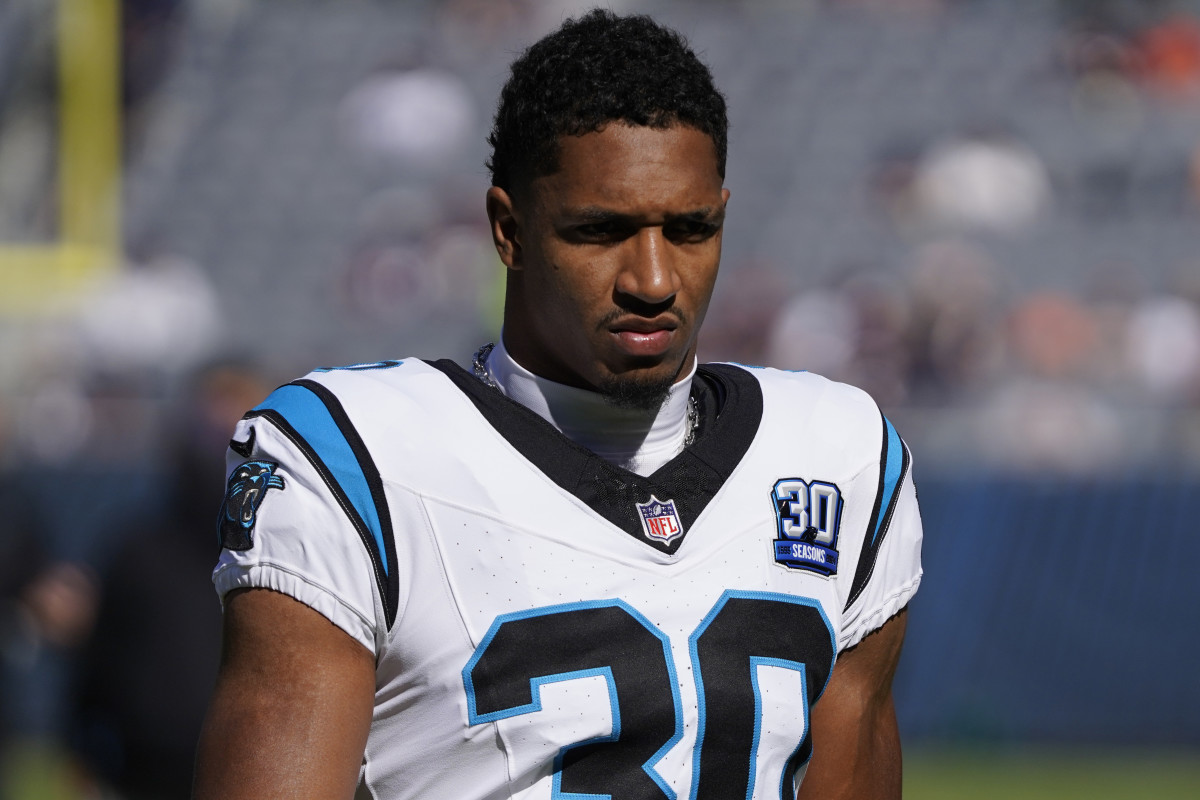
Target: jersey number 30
(743, 632)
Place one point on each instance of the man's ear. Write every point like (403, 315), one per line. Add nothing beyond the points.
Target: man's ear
(502, 217)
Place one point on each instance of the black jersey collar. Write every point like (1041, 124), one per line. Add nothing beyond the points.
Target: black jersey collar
(729, 401)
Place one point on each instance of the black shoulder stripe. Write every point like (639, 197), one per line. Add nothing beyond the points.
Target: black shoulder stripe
(313, 418)
(893, 467)
(244, 449)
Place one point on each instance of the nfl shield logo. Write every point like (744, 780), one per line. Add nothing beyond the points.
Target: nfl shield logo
(659, 520)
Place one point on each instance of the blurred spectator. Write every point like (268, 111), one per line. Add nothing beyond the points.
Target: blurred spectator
(1046, 417)
(1088, 51)
(881, 362)
(1104, 95)
(1170, 56)
(61, 603)
(416, 259)
(162, 317)
(147, 672)
(1163, 347)
(420, 118)
(892, 181)
(1037, 425)
(955, 338)
(1053, 335)
(740, 319)
(150, 32)
(987, 181)
(1111, 297)
(854, 331)
(478, 26)
(56, 421)
(47, 606)
(816, 331)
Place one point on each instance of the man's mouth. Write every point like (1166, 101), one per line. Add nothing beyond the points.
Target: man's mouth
(645, 337)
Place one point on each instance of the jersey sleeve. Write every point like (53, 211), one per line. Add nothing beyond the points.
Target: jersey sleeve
(286, 526)
(887, 570)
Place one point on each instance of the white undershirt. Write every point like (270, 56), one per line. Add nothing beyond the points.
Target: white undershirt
(640, 441)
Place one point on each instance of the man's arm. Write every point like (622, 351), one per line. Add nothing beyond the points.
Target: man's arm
(856, 743)
(292, 706)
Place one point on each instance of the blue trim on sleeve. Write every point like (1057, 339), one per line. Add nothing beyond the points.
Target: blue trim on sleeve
(893, 471)
(311, 419)
(893, 466)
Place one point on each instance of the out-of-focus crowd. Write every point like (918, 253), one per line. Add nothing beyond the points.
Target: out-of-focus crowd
(1095, 381)
(114, 417)
(109, 628)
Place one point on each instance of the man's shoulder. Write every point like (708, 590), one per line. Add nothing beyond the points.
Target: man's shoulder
(803, 387)
(408, 390)
(822, 411)
(389, 371)
(405, 419)
(390, 380)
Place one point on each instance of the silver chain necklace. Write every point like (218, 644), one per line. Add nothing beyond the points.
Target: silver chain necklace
(479, 367)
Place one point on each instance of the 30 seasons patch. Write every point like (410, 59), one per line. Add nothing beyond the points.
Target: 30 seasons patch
(807, 516)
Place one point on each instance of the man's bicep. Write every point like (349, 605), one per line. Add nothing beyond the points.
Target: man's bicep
(292, 706)
(856, 743)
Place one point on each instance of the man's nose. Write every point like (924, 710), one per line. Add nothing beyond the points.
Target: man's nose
(649, 270)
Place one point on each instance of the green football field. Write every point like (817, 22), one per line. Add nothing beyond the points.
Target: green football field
(1052, 775)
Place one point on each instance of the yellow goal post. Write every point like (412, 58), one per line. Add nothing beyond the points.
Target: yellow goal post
(39, 277)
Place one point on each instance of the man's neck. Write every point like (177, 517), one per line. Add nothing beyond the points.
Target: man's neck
(638, 440)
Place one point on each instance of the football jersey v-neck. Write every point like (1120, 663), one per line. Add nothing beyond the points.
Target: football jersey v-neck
(729, 405)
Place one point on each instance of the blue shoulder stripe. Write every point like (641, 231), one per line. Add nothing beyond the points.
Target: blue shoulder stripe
(311, 416)
(893, 471)
(893, 465)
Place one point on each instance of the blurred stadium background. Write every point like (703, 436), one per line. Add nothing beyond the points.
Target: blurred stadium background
(985, 212)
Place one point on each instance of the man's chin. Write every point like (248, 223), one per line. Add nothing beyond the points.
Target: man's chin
(637, 392)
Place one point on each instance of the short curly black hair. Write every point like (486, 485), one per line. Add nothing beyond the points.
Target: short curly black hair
(599, 68)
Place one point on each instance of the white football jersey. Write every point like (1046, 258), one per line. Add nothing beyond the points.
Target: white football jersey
(546, 624)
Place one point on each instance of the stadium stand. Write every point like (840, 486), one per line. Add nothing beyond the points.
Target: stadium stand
(1059, 471)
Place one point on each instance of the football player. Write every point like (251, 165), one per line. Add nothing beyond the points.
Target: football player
(588, 566)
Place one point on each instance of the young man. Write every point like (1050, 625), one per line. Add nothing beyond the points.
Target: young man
(589, 567)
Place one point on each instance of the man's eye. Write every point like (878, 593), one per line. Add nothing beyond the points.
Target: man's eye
(691, 230)
(599, 231)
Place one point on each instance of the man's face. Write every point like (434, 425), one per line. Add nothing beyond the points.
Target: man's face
(612, 260)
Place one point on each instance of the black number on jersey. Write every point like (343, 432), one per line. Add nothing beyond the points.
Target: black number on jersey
(744, 630)
(609, 639)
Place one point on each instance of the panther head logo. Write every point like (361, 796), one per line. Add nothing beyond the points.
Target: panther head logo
(247, 486)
